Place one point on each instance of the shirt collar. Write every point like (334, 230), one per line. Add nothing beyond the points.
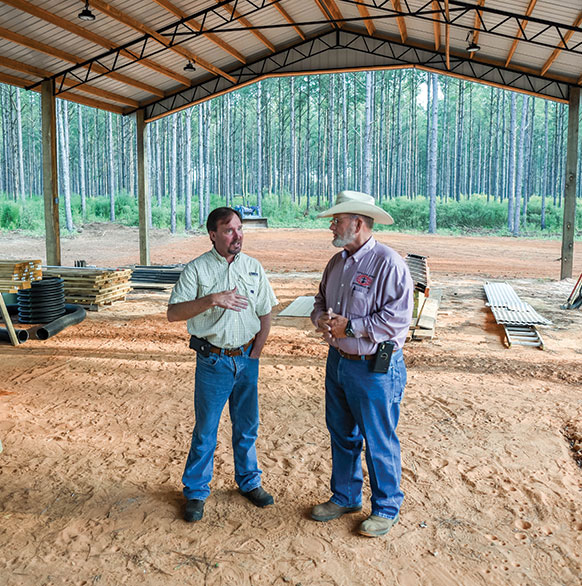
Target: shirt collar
(364, 249)
(221, 258)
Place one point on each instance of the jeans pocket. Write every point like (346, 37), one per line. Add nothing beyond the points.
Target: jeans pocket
(209, 360)
(397, 376)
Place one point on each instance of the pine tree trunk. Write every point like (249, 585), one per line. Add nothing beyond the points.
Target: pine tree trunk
(432, 153)
(82, 178)
(511, 183)
(111, 167)
(520, 162)
(189, 182)
(545, 168)
(366, 183)
(63, 132)
(345, 130)
(19, 154)
(330, 127)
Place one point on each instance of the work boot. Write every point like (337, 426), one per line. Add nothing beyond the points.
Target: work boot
(328, 511)
(375, 526)
(259, 497)
(193, 511)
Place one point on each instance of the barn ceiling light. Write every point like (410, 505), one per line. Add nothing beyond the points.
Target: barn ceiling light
(472, 47)
(189, 66)
(86, 13)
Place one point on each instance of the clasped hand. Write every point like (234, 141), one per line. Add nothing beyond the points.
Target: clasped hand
(230, 300)
(331, 325)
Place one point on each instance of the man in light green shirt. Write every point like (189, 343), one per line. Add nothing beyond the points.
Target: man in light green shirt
(226, 299)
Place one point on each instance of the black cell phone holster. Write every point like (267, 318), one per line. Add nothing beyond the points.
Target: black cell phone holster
(382, 357)
(201, 345)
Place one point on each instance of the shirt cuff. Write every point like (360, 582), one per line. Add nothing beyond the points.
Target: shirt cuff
(359, 328)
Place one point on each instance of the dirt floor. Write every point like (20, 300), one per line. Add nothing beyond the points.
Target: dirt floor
(96, 422)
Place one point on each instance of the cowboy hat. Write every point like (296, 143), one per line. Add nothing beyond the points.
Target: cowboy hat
(355, 202)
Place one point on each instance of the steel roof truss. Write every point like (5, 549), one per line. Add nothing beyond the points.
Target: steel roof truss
(395, 53)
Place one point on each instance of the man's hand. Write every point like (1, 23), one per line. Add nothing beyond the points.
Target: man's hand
(230, 300)
(332, 325)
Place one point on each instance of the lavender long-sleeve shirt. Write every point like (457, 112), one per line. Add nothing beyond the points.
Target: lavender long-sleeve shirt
(373, 289)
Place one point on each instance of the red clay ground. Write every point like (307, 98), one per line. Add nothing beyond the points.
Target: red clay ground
(96, 423)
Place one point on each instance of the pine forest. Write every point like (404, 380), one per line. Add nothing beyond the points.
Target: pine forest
(437, 152)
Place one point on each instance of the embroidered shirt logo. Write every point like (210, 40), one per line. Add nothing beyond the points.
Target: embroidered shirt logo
(363, 280)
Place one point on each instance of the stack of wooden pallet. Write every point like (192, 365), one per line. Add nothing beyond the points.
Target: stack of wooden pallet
(17, 274)
(90, 287)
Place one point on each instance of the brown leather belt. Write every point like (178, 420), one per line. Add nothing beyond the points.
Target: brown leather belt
(231, 351)
(355, 356)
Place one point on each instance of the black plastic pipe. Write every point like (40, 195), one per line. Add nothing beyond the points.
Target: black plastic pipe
(75, 314)
(22, 335)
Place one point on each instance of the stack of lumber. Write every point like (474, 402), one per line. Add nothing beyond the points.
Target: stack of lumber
(17, 274)
(92, 287)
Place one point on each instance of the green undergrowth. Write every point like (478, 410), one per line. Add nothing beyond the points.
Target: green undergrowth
(470, 216)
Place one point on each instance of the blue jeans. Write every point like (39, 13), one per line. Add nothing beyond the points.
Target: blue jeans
(219, 379)
(363, 405)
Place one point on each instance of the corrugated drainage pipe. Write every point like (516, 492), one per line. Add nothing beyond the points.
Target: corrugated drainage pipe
(75, 314)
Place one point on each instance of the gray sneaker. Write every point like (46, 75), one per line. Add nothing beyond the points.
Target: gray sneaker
(328, 511)
(375, 526)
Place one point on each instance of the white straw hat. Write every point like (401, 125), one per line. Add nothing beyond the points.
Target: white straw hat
(356, 202)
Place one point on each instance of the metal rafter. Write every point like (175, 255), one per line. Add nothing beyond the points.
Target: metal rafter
(148, 45)
(21, 82)
(131, 22)
(388, 54)
(64, 56)
(91, 36)
(326, 11)
(232, 11)
(44, 73)
(496, 20)
(562, 45)
(522, 25)
(170, 7)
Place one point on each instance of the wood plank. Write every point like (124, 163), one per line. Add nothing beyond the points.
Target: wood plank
(6, 317)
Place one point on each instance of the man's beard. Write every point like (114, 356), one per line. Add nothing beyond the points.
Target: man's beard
(347, 238)
(235, 247)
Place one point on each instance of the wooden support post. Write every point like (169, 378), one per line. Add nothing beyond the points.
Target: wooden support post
(49, 174)
(142, 188)
(569, 223)
(9, 326)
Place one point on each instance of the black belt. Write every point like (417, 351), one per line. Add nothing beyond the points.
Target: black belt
(355, 356)
(231, 351)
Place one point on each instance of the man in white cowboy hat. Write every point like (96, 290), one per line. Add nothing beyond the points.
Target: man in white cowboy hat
(363, 310)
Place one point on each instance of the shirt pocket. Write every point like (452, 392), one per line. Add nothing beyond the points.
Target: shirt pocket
(359, 304)
(248, 286)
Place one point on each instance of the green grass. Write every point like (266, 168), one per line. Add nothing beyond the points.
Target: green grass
(469, 216)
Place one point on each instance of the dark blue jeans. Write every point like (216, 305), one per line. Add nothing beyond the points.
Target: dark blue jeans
(219, 379)
(363, 405)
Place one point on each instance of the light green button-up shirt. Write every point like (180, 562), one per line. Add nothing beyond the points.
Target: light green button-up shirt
(211, 273)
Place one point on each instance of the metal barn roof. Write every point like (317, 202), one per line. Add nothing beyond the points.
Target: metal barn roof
(132, 56)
